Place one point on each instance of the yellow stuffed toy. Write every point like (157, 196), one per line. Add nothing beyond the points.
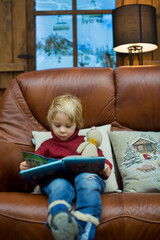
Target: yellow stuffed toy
(93, 141)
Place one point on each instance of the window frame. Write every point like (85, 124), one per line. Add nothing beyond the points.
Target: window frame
(31, 27)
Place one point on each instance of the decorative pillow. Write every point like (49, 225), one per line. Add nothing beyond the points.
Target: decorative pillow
(40, 137)
(111, 182)
(138, 158)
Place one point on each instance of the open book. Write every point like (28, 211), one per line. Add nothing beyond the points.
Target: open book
(44, 168)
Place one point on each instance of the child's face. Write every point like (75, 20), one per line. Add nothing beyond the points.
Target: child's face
(62, 126)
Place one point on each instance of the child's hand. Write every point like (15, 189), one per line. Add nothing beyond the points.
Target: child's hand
(106, 171)
(24, 166)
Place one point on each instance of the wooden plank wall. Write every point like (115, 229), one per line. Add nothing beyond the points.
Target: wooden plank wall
(148, 58)
(12, 41)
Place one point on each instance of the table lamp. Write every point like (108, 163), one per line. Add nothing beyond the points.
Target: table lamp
(135, 30)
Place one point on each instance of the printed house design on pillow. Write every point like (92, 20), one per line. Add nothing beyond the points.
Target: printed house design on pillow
(138, 158)
(144, 146)
(140, 150)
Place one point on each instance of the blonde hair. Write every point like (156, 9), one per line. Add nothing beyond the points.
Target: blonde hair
(69, 105)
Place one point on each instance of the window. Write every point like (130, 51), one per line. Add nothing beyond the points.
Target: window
(140, 148)
(72, 33)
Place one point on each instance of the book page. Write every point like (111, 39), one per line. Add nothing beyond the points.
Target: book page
(35, 159)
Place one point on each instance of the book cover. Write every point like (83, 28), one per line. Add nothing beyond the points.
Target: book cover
(44, 168)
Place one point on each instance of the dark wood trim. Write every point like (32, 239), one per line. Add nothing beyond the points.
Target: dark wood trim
(71, 12)
(31, 49)
(12, 67)
(74, 40)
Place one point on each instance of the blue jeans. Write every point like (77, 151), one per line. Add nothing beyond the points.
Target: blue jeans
(87, 190)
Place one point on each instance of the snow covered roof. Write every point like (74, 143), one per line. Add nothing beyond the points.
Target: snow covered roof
(141, 138)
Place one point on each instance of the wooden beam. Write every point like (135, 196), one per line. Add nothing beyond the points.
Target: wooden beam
(119, 3)
(148, 2)
(12, 67)
(127, 2)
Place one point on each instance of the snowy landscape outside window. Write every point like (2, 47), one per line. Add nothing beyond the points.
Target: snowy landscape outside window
(74, 33)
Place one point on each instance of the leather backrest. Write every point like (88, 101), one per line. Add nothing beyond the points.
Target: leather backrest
(25, 103)
(138, 97)
(128, 95)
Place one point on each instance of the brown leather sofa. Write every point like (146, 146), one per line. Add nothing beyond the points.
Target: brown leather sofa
(108, 96)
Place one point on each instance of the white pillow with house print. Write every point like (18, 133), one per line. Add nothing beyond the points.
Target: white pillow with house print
(138, 158)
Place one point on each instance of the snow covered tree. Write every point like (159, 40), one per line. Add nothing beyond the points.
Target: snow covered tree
(131, 156)
(158, 146)
(56, 44)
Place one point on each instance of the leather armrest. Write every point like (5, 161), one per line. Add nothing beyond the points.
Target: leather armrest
(10, 159)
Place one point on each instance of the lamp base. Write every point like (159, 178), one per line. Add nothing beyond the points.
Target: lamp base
(135, 50)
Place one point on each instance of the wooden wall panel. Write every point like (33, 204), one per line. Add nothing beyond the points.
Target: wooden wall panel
(148, 2)
(6, 29)
(126, 2)
(5, 41)
(119, 3)
(19, 31)
(12, 41)
(156, 53)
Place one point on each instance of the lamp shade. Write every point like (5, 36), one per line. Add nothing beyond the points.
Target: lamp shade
(134, 25)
